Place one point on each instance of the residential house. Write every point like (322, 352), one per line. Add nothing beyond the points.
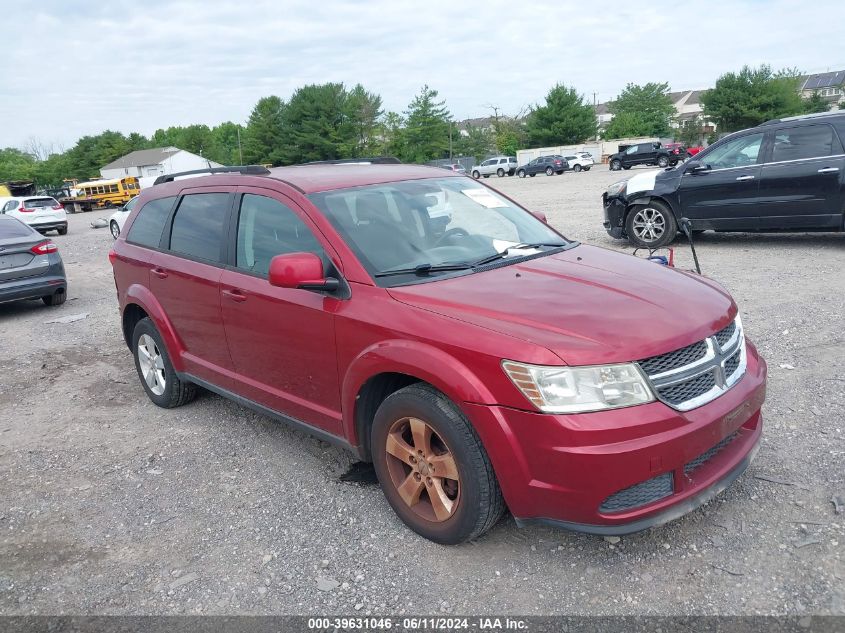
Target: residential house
(151, 163)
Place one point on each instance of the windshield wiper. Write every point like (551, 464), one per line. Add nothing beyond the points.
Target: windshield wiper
(501, 254)
(423, 269)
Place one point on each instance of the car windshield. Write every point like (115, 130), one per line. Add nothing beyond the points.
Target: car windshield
(415, 230)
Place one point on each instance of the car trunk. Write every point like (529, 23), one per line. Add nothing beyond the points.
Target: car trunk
(18, 261)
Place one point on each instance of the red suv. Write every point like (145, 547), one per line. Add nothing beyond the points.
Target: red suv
(429, 324)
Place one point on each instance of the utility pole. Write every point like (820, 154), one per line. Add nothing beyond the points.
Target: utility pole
(450, 140)
(240, 153)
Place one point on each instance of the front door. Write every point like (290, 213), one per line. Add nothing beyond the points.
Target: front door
(724, 194)
(185, 278)
(282, 340)
(799, 185)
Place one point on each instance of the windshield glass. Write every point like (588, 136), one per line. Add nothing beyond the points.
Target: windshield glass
(425, 224)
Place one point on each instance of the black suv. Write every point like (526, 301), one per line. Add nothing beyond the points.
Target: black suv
(642, 154)
(784, 175)
(549, 165)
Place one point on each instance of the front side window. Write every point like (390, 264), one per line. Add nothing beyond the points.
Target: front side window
(267, 228)
(632, 150)
(811, 141)
(149, 223)
(419, 225)
(199, 226)
(739, 152)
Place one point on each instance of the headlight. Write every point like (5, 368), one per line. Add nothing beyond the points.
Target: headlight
(579, 389)
(617, 188)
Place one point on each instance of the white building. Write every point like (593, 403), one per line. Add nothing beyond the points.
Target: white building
(151, 163)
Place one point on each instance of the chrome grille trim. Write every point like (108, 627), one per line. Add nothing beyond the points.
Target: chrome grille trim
(725, 360)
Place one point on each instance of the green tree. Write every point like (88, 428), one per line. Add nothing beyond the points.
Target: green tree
(224, 144)
(564, 120)
(815, 103)
(426, 134)
(16, 165)
(363, 109)
(478, 142)
(641, 111)
(752, 96)
(316, 125)
(263, 137)
(390, 135)
(689, 132)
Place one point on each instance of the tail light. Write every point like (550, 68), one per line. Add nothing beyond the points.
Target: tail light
(112, 256)
(23, 209)
(43, 248)
(58, 207)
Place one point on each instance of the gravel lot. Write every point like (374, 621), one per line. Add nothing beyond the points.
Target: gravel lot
(110, 505)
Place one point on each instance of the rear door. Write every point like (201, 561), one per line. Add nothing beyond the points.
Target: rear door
(281, 340)
(724, 195)
(800, 182)
(185, 279)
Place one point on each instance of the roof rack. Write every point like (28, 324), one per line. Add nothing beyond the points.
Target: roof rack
(801, 117)
(369, 160)
(246, 170)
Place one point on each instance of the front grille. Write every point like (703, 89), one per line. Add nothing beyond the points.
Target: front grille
(674, 360)
(683, 391)
(724, 335)
(698, 373)
(639, 494)
(710, 454)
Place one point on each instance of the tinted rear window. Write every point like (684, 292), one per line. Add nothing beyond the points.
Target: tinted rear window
(12, 228)
(38, 203)
(199, 225)
(149, 223)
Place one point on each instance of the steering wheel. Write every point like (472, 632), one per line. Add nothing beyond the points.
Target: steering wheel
(451, 235)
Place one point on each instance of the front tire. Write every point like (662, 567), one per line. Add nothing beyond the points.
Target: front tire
(500, 173)
(651, 225)
(615, 165)
(433, 468)
(155, 370)
(577, 168)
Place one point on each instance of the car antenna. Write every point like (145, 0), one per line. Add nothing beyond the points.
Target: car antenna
(686, 226)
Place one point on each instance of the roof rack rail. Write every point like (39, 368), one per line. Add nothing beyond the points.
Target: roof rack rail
(801, 117)
(365, 160)
(246, 170)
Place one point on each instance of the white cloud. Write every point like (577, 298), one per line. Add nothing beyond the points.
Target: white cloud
(78, 69)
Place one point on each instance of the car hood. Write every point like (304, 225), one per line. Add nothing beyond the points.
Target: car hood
(587, 305)
(648, 181)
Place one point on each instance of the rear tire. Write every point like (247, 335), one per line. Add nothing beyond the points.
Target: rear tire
(521, 173)
(662, 162)
(462, 506)
(62, 231)
(155, 370)
(651, 225)
(55, 299)
(115, 229)
(626, 167)
(476, 175)
(549, 171)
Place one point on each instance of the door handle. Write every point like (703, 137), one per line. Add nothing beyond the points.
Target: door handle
(829, 170)
(234, 295)
(744, 178)
(159, 272)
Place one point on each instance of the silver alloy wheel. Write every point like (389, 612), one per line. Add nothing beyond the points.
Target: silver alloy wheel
(115, 229)
(649, 224)
(152, 364)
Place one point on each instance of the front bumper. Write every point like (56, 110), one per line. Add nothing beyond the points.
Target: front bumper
(563, 469)
(614, 215)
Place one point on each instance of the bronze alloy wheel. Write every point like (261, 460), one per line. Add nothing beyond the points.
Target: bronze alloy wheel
(423, 470)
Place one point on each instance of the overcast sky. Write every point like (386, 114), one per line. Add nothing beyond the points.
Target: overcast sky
(70, 68)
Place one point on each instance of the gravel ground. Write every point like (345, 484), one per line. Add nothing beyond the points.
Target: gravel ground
(110, 505)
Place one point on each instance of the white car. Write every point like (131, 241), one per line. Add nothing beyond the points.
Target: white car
(42, 213)
(119, 217)
(499, 165)
(579, 161)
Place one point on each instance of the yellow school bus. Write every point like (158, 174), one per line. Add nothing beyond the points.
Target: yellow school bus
(110, 192)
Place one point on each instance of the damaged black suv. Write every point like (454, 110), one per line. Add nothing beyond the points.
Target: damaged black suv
(784, 175)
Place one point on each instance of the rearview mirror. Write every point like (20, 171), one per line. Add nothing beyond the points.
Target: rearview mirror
(300, 270)
(540, 216)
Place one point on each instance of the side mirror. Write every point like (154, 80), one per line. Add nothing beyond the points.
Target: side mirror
(300, 270)
(699, 168)
(540, 216)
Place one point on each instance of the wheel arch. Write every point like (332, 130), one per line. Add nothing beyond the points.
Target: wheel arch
(386, 367)
(645, 199)
(139, 303)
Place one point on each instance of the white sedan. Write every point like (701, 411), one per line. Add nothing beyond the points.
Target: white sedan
(119, 217)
